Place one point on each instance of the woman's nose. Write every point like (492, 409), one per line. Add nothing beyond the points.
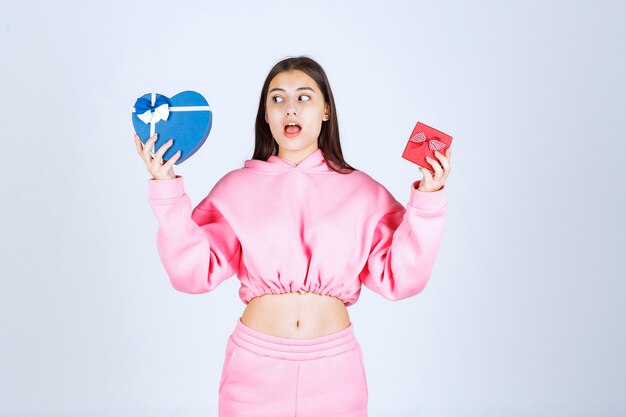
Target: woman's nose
(292, 108)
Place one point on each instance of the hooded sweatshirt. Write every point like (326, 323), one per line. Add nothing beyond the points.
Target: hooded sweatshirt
(284, 227)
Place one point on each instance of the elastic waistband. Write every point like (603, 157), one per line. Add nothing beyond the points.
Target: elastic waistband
(293, 349)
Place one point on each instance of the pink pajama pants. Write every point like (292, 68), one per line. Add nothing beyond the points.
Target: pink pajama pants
(269, 376)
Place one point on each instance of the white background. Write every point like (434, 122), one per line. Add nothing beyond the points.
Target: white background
(524, 314)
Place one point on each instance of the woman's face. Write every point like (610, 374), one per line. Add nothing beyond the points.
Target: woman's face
(295, 97)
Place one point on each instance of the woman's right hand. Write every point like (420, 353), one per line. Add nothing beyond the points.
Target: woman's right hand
(155, 165)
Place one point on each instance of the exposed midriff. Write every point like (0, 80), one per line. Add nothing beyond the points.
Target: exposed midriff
(297, 315)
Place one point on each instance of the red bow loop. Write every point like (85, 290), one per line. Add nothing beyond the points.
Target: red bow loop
(433, 143)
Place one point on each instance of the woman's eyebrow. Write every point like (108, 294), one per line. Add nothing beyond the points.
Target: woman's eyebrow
(298, 89)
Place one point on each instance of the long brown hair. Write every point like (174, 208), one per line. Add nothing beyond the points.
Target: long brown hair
(328, 140)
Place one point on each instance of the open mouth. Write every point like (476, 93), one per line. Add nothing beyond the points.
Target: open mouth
(292, 129)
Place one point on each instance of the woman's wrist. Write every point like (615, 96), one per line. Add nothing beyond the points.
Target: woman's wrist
(418, 186)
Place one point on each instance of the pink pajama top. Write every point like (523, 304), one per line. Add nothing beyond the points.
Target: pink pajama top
(283, 227)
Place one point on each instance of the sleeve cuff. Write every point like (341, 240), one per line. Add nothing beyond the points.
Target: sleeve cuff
(163, 189)
(427, 200)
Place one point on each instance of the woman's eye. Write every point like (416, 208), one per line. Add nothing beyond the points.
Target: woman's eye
(277, 99)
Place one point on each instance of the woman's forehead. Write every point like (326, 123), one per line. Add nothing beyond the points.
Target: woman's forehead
(293, 81)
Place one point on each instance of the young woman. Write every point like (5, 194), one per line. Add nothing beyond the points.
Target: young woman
(302, 230)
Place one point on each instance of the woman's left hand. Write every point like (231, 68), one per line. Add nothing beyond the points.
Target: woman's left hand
(433, 181)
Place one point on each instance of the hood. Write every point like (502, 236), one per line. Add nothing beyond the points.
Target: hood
(314, 162)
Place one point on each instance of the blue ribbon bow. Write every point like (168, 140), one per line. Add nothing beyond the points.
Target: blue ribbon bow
(148, 113)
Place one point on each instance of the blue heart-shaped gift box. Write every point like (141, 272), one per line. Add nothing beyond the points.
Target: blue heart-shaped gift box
(186, 118)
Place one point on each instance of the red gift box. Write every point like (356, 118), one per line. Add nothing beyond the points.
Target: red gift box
(423, 142)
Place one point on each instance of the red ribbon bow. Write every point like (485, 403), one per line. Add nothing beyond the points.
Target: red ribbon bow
(433, 143)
